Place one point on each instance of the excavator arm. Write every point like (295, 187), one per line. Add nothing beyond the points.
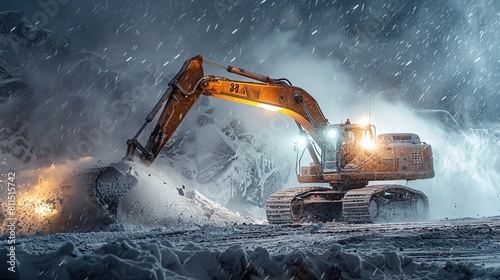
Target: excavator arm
(190, 83)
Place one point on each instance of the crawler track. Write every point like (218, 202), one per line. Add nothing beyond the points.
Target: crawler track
(371, 204)
(279, 204)
(384, 203)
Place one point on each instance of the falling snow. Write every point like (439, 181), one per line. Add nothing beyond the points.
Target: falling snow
(77, 80)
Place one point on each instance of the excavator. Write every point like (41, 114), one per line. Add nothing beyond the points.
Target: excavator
(345, 156)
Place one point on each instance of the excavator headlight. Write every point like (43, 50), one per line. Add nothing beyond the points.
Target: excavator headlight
(368, 143)
(364, 121)
(299, 142)
(332, 133)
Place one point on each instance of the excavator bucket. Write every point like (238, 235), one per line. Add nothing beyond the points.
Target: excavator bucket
(96, 207)
(86, 201)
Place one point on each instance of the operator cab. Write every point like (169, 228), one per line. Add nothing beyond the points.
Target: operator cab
(346, 145)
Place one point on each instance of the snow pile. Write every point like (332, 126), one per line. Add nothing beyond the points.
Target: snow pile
(124, 259)
(159, 200)
(52, 200)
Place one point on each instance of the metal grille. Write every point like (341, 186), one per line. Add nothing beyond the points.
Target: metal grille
(416, 158)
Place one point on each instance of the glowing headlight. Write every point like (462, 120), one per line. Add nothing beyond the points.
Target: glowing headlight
(300, 141)
(332, 133)
(364, 121)
(367, 143)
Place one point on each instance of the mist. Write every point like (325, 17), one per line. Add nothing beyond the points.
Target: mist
(385, 59)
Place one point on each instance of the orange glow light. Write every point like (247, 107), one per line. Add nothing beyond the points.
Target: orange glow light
(43, 209)
(269, 107)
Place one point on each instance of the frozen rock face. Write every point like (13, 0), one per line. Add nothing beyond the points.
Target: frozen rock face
(229, 161)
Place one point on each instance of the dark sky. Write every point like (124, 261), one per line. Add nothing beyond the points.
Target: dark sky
(428, 54)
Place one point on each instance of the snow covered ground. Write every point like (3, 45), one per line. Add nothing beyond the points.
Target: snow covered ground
(448, 249)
